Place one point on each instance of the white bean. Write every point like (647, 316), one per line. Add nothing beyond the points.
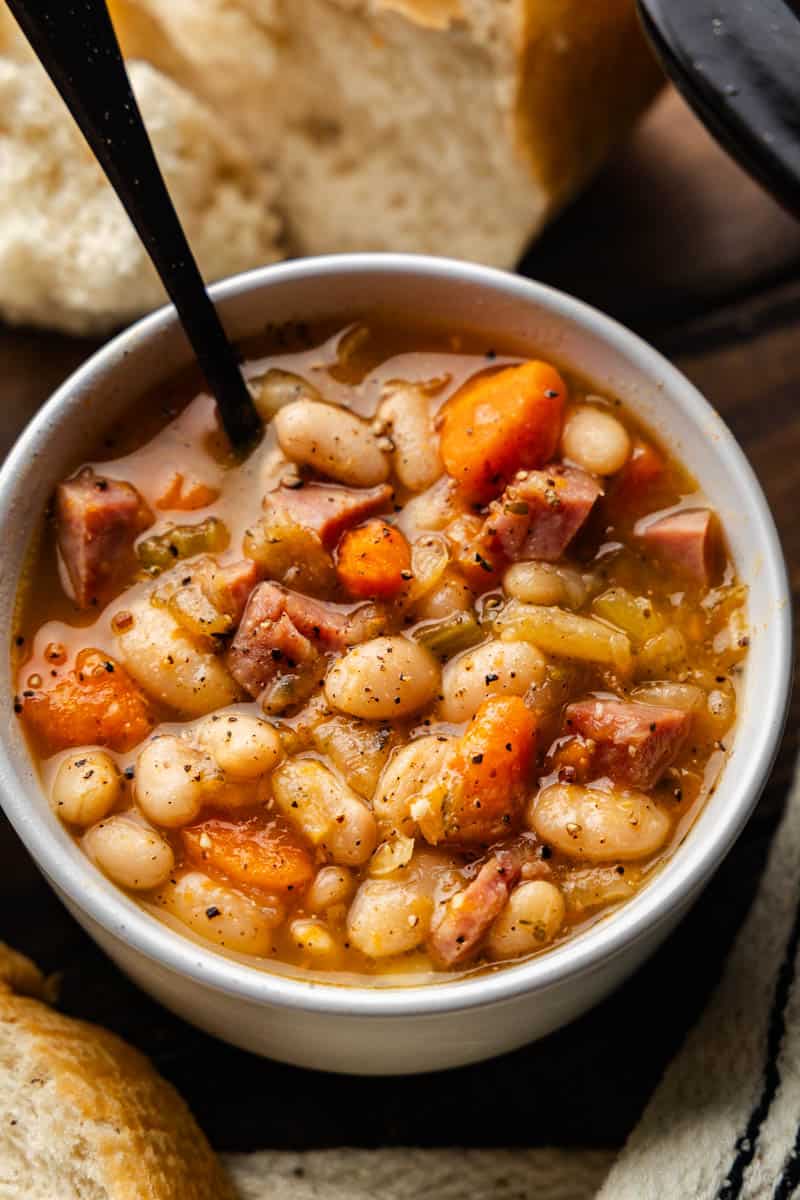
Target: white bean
(451, 594)
(407, 771)
(388, 918)
(86, 787)
(431, 510)
(277, 389)
(325, 810)
(221, 915)
(383, 678)
(331, 886)
(130, 854)
(333, 441)
(532, 917)
(597, 825)
(170, 665)
(493, 669)
(313, 937)
(243, 746)
(173, 781)
(407, 411)
(595, 440)
(545, 583)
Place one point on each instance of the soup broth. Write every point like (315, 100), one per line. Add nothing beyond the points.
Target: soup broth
(435, 676)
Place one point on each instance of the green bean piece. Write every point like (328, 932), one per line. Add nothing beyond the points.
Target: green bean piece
(162, 550)
(444, 638)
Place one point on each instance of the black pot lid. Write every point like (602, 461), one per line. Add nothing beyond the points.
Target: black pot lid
(737, 62)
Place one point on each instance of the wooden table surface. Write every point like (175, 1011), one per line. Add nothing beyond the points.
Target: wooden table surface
(676, 242)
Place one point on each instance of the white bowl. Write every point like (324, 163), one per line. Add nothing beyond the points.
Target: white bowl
(401, 1030)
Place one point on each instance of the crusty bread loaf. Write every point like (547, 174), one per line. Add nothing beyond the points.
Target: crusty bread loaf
(447, 126)
(85, 1117)
(461, 139)
(454, 127)
(69, 257)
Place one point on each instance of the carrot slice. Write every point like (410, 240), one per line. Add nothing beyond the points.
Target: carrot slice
(374, 560)
(480, 795)
(96, 703)
(501, 424)
(186, 494)
(260, 853)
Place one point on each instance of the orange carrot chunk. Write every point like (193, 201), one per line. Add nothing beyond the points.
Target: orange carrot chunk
(501, 424)
(374, 561)
(489, 771)
(258, 852)
(96, 703)
(185, 494)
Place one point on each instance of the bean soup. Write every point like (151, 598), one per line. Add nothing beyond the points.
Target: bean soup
(434, 677)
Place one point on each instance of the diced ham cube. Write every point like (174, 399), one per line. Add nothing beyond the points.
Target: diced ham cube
(633, 743)
(284, 633)
(540, 513)
(686, 540)
(281, 631)
(469, 914)
(98, 520)
(326, 509)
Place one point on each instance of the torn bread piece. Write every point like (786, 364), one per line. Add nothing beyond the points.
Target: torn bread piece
(84, 1115)
(69, 257)
(455, 127)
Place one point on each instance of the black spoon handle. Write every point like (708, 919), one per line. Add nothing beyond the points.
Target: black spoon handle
(737, 62)
(76, 43)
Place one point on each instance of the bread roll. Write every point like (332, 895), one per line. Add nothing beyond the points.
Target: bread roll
(69, 257)
(454, 127)
(83, 1115)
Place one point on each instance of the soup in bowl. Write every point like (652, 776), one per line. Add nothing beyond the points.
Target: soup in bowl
(431, 686)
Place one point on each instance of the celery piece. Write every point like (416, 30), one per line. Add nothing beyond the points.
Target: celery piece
(444, 638)
(162, 550)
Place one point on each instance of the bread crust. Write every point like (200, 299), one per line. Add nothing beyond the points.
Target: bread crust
(436, 126)
(584, 74)
(142, 35)
(18, 974)
(430, 14)
(69, 256)
(135, 1134)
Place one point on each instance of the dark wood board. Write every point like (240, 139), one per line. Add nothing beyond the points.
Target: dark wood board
(674, 240)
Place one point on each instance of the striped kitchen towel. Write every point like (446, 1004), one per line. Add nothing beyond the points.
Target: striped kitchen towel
(724, 1124)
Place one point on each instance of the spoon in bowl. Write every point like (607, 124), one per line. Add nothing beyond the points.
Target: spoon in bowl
(77, 46)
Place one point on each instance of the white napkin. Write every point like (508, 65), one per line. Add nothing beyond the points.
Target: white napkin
(724, 1124)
